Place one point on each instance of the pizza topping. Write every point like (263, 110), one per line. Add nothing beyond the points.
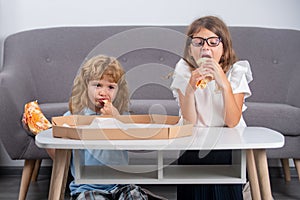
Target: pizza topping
(34, 118)
(202, 83)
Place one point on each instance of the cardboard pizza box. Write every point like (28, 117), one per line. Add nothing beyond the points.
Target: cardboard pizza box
(123, 127)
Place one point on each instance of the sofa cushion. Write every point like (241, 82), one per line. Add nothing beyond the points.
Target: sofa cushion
(280, 117)
(161, 106)
(291, 147)
(54, 109)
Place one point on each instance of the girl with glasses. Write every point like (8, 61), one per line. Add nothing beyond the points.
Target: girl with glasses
(210, 61)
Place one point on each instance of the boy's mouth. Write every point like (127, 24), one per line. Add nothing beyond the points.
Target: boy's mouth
(102, 102)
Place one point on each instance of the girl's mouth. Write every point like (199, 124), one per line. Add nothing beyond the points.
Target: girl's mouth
(205, 56)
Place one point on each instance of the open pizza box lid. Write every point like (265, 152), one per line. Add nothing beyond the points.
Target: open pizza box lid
(123, 127)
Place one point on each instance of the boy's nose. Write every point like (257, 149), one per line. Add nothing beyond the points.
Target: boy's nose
(101, 91)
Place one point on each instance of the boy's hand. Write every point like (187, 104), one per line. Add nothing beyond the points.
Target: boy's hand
(109, 109)
(25, 125)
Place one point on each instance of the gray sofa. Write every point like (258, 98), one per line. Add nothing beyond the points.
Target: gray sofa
(41, 65)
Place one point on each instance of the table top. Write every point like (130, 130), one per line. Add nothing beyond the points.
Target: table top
(202, 139)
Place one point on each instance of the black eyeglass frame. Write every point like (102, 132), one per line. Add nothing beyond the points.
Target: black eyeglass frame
(205, 40)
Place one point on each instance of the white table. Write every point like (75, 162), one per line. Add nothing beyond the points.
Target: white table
(250, 141)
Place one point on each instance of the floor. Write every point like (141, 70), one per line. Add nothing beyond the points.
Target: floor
(9, 188)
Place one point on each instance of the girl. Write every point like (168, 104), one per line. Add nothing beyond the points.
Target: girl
(101, 89)
(209, 56)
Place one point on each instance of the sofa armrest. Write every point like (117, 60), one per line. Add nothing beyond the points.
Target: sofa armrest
(18, 144)
(293, 97)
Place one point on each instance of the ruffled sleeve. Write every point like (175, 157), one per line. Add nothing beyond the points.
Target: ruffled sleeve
(181, 78)
(240, 76)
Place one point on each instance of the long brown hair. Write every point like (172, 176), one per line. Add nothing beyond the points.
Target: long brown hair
(94, 69)
(217, 26)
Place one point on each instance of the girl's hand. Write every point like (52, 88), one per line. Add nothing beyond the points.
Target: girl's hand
(213, 69)
(197, 75)
(202, 72)
(109, 109)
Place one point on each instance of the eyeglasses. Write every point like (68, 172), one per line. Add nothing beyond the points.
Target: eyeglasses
(211, 41)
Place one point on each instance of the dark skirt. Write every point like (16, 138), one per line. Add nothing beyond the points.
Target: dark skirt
(208, 191)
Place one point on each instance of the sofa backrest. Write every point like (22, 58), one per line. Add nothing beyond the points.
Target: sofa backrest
(47, 60)
(274, 56)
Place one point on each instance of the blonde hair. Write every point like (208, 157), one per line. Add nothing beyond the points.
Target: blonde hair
(217, 26)
(94, 69)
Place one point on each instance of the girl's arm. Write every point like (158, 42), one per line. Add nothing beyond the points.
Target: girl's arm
(187, 100)
(187, 106)
(232, 106)
(232, 102)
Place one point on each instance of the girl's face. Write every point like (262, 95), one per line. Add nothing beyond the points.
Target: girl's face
(214, 52)
(100, 91)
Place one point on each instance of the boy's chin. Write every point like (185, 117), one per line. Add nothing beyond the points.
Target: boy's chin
(98, 105)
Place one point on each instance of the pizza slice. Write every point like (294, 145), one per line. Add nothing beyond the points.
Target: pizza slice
(105, 101)
(202, 83)
(34, 118)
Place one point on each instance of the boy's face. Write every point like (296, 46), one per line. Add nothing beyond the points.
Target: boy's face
(100, 91)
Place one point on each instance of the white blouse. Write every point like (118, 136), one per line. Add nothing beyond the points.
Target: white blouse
(209, 101)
